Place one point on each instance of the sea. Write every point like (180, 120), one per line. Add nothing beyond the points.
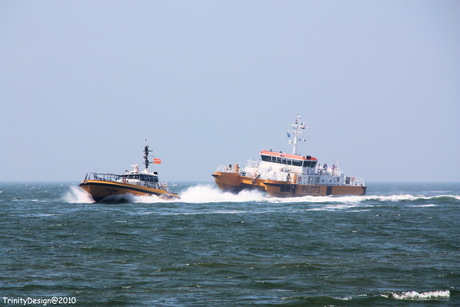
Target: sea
(399, 245)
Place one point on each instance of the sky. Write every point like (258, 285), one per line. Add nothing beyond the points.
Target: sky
(208, 83)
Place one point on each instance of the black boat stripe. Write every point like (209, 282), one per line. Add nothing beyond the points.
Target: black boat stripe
(123, 187)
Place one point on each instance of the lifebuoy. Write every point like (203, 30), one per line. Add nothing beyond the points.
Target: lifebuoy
(299, 179)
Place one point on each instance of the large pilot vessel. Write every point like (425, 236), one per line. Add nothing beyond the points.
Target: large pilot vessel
(288, 175)
(105, 187)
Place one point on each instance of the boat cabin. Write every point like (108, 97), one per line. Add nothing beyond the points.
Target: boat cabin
(141, 177)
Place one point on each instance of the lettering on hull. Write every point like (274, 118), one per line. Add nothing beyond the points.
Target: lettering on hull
(311, 189)
(284, 190)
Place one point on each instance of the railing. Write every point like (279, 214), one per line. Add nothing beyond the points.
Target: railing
(124, 179)
(324, 174)
(103, 177)
(225, 169)
(252, 163)
(356, 181)
(230, 168)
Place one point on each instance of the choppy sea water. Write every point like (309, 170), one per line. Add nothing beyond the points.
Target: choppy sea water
(397, 246)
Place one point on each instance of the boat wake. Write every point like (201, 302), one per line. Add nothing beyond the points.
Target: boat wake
(77, 196)
(212, 194)
(209, 193)
(206, 194)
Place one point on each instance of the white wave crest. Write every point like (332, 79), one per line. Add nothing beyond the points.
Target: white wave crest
(394, 198)
(419, 296)
(148, 199)
(322, 199)
(397, 198)
(211, 194)
(344, 206)
(424, 206)
(77, 195)
(205, 194)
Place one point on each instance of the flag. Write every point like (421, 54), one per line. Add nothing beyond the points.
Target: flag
(157, 161)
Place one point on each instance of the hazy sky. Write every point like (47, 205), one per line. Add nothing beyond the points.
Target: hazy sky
(82, 83)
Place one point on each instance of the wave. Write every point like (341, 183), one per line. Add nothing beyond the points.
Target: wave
(211, 194)
(374, 300)
(77, 195)
(418, 296)
(409, 197)
(205, 194)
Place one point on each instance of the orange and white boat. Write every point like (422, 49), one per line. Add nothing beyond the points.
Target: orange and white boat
(105, 187)
(288, 175)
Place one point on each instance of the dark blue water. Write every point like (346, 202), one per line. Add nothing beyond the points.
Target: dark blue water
(397, 246)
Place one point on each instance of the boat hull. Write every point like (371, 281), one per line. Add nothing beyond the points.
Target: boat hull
(110, 191)
(283, 189)
(234, 182)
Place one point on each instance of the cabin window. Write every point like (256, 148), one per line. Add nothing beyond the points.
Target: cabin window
(266, 158)
(287, 161)
(309, 164)
(297, 162)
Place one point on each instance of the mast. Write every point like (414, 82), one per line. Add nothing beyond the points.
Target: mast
(146, 155)
(297, 127)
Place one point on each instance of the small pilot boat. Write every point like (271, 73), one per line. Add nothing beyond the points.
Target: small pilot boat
(282, 174)
(106, 187)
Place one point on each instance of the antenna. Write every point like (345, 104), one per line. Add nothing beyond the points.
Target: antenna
(146, 155)
(297, 126)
